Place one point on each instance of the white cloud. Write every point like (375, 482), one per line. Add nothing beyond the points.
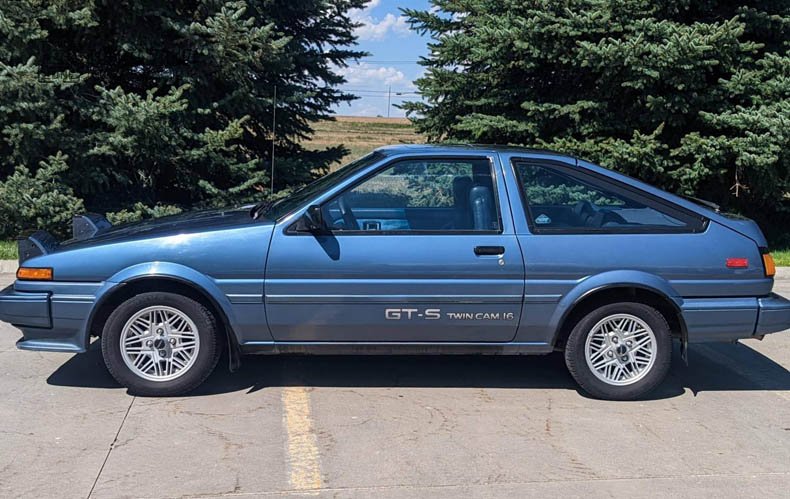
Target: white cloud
(368, 76)
(373, 28)
(370, 84)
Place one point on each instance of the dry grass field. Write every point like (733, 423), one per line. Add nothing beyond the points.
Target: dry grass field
(362, 135)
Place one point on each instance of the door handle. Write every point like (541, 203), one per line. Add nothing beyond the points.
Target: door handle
(489, 250)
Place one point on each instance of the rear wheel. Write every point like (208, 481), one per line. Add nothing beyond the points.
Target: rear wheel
(620, 351)
(160, 344)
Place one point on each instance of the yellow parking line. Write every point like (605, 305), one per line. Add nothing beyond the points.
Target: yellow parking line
(303, 457)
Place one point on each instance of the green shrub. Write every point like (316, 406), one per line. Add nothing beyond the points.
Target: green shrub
(38, 200)
(171, 102)
(140, 211)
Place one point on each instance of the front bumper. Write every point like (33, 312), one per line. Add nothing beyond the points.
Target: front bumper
(730, 319)
(52, 319)
(25, 309)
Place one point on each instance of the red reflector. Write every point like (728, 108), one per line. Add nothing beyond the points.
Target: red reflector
(737, 263)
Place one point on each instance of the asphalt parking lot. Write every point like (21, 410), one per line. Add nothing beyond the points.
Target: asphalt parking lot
(397, 427)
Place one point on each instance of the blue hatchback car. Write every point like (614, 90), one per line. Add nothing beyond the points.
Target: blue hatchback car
(410, 249)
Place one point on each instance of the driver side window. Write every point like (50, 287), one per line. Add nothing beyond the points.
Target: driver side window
(433, 195)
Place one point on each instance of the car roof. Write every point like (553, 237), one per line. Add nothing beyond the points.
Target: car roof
(455, 148)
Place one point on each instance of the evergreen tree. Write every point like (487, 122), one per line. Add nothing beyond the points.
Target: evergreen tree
(691, 95)
(169, 103)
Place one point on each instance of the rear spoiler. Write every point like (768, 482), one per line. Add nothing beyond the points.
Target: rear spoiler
(41, 242)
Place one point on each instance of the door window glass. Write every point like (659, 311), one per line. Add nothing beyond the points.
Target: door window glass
(434, 195)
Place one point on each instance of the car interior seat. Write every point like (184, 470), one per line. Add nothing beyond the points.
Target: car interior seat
(481, 197)
(584, 212)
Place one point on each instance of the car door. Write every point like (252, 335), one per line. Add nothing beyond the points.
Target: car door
(420, 250)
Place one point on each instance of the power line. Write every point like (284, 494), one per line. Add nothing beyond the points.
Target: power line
(393, 95)
(394, 98)
(394, 91)
(378, 61)
(385, 96)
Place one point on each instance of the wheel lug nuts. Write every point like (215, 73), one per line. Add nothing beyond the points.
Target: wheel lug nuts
(628, 343)
(162, 353)
(149, 343)
(610, 354)
(160, 331)
(614, 340)
(172, 341)
(624, 359)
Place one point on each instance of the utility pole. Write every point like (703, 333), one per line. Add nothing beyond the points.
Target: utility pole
(274, 133)
(389, 100)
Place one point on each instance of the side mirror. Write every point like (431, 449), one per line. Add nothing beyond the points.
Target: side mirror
(312, 220)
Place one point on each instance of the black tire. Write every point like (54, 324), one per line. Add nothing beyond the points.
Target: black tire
(206, 359)
(577, 364)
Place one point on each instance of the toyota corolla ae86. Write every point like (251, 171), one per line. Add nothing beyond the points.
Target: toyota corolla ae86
(410, 249)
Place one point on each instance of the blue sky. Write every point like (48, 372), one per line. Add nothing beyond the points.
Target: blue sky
(394, 50)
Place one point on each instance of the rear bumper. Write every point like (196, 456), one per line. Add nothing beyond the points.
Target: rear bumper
(773, 314)
(730, 319)
(50, 320)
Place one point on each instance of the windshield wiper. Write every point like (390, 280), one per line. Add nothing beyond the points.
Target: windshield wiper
(257, 210)
(707, 204)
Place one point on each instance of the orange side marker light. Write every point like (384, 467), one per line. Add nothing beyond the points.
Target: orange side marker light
(34, 274)
(770, 266)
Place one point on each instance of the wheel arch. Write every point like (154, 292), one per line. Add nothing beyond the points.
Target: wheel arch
(137, 283)
(658, 296)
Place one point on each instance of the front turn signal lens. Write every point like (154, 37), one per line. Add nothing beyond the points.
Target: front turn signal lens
(33, 274)
(770, 266)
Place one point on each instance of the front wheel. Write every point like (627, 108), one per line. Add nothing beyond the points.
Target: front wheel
(160, 344)
(620, 351)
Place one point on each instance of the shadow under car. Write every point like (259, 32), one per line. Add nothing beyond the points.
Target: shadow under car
(712, 367)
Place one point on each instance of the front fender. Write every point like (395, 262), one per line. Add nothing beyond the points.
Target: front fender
(177, 272)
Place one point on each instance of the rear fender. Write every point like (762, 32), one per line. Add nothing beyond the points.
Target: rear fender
(614, 279)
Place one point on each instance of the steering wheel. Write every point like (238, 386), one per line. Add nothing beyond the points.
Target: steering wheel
(605, 216)
(348, 216)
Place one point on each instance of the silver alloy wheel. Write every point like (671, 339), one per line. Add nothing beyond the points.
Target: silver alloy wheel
(620, 349)
(159, 343)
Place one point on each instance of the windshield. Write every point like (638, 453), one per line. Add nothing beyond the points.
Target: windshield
(285, 206)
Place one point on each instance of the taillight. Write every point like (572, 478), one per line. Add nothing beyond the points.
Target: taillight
(737, 263)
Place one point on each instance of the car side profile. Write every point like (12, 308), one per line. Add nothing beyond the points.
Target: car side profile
(410, 249)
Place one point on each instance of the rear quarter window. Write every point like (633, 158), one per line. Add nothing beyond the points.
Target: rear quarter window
(560, 199)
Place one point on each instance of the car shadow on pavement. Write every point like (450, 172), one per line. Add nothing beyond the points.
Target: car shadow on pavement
(712, 367)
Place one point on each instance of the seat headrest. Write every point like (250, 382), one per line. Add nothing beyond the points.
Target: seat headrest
(481, 201)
